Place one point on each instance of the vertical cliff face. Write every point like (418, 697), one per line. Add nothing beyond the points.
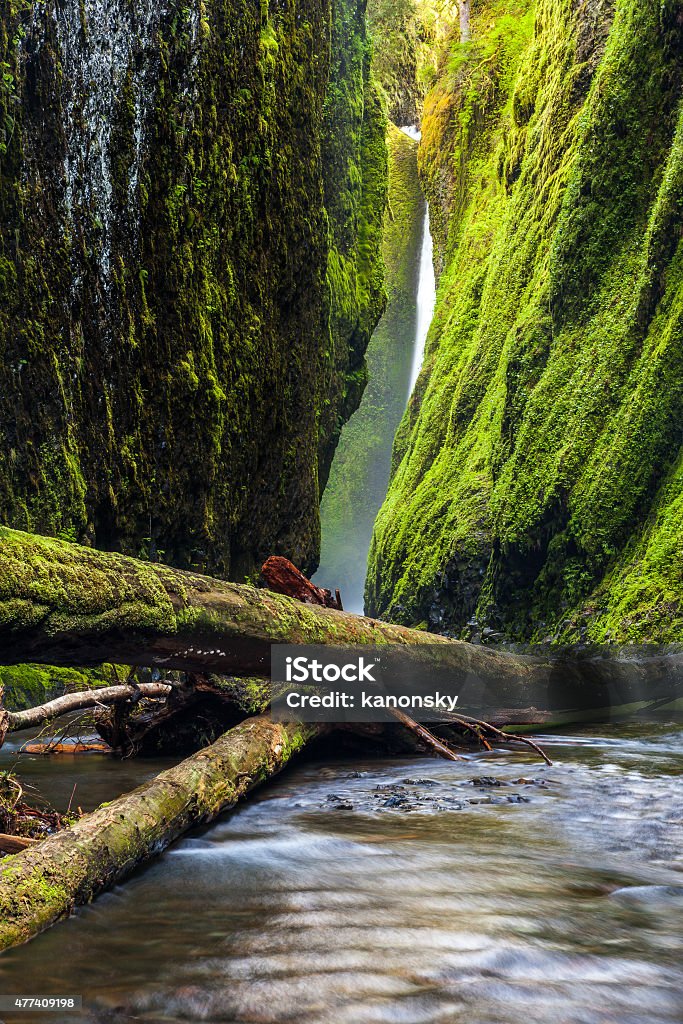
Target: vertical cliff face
(537, 489)
(354, 157)
(407, 35)
(172, 356)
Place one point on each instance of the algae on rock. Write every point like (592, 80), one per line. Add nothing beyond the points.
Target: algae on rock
(537, 489)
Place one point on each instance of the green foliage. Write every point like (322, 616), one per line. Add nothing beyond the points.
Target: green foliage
(26, 686)
(537, 488)
(406, 35)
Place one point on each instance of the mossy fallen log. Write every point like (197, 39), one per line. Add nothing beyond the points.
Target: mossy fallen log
(62, 604)
(45, 882)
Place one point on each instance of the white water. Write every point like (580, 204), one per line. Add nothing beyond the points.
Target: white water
(426, 288)
(412, 131)
(426, 299)
(504, 892)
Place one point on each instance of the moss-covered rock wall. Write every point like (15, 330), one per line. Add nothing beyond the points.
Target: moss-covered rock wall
(177, 342)
(538, 484)
(407, 36)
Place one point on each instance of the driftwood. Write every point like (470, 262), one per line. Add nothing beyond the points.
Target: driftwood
(71, 749)
(44, 883)
(283, 577)
(485, 732)
(17, 721)
(14, 844)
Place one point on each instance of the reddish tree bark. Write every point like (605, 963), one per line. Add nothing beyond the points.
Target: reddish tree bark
(283, 577)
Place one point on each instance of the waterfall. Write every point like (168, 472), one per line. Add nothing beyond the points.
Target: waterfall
(360, 471)
(426, 284)
(426, 300)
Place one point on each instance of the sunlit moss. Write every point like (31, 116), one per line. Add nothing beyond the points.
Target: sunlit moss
(535, 490)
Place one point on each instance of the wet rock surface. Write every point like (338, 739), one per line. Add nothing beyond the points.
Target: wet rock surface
(427, 796)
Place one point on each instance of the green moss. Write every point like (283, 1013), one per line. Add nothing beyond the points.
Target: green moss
(26, 686)
(355, 161)
(407, 35)
(179, 409)
(535, 489)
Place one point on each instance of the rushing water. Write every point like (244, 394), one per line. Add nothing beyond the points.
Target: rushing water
(495, 891)
(425, 299)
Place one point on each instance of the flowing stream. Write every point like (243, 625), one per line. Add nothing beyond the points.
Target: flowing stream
(493, 891)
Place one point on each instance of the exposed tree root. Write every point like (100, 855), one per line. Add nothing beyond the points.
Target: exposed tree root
(484, 731)
(425, 735)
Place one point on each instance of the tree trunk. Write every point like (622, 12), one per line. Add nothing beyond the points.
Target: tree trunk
(17, 721)
(61, 604)
(46, 881)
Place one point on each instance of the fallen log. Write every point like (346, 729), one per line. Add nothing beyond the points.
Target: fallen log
(44, 883)
(62, 604)
(18, 721)
(15, 844)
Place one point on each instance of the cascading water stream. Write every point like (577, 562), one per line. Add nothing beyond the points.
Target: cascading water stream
(360, 472)
(426, 285)
(379, 890)
(426, 300)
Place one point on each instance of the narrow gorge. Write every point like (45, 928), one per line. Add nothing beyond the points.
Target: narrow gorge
(341, 440)
(191, 198)
(360, 469)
